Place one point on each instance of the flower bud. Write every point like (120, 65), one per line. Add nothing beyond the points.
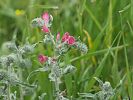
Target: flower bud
(65, 37)
(81, 46)
(42, 58)
(10, 45)
(58, 36)
(37, 22)
(27, 48)
(8, 60)
(46, 17)
(69, 69)
(48, 39)
(107, 86)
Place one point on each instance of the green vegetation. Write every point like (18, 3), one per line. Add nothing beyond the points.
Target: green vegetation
(105, 26)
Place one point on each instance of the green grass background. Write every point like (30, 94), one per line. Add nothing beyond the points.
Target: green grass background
(106, 26)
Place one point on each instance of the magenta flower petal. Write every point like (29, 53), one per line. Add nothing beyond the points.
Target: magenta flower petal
(46, 17)
(42, 59)
(65, 37)
(45, 29)
(58, 36)
(71, 40)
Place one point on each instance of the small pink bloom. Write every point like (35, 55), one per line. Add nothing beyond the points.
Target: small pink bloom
(42, 59)
(58, 36)
(46, 17)
(65, 37)
(45, 29)
(71, 40)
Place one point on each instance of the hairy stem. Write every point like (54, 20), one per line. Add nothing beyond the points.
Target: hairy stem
(20, 87)
(52, 38)
(8, 85)
(57, 89)
(8, 93)
(20, 76)
(56, 83)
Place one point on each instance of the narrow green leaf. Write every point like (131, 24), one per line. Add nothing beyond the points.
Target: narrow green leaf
(99, 68)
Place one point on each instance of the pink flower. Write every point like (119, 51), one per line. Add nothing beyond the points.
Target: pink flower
(71, 40)
(65, 37)
(42, 59)
(45, 29)
(58, 36)
(46, 17)
(68, 39)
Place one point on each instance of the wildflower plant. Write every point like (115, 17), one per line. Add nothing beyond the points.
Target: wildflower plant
(61, 45)
(10, 69)
(11, 65)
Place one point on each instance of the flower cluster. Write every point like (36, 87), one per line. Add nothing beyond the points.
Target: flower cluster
(45, 22)
(70, 40)
(66, 38)
(63, 44)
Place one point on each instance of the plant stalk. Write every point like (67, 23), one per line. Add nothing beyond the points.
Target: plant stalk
(8, 84)
(56, 83)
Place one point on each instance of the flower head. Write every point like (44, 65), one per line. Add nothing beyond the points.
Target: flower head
(71, 40)
(68, 39)
(42, 59)
(45, 22)
(46, 17)
(65, 37)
